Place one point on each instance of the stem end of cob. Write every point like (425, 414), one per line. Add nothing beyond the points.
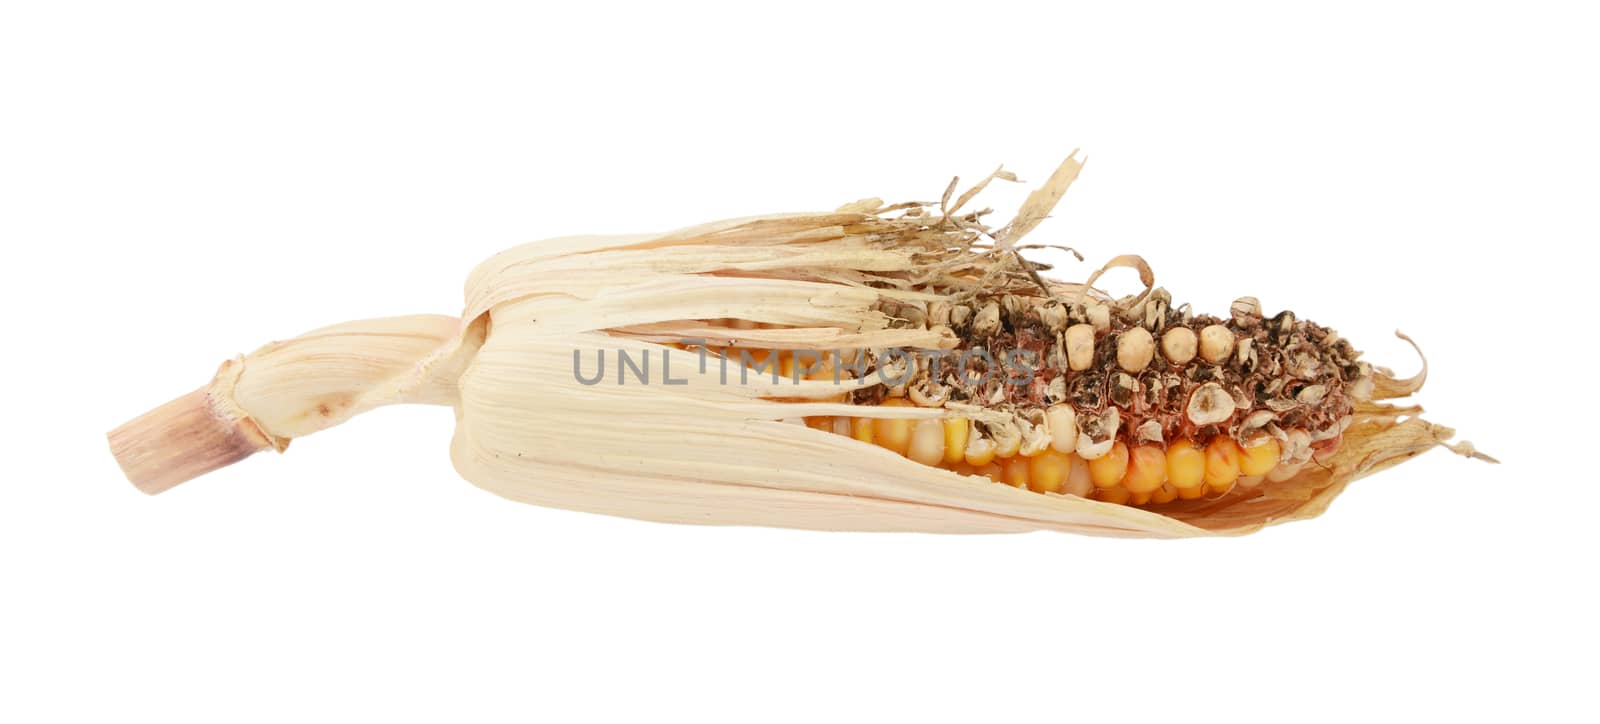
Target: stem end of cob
(184, 439)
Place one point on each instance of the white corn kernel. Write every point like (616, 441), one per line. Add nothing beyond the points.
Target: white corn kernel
(1135, 349)
(1079, 341)
(1178, 345)
(1216, 343)
(1063, 425)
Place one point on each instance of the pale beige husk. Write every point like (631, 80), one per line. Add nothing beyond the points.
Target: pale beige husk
(703, 451)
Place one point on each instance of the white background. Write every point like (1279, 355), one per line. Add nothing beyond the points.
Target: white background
(181, 182)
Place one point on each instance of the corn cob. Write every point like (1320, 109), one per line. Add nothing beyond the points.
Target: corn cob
(878, 367)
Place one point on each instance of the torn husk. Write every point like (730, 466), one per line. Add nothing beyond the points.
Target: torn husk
(662, 433)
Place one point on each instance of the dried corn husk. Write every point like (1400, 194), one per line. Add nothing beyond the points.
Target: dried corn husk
(702, 451)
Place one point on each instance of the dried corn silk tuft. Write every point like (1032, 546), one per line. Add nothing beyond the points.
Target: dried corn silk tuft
(878, 367)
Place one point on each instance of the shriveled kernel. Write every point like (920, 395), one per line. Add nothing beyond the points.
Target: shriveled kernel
(1116, 494)
(1259, 458)
(1108, 469)
(1216, 343)
(1135, 348)
(1096, 433)
(987, 321)
(1209, 404)
(980, 451)
(1186, 464)
(1047, 472)
(956, 431)
(1245, 355)
(892, 433)
(1150, 431)
(1147, 469)
(1296, 447)
(1165, 494)
(1007, 440)
(1284, 472)
(1099, 315)
(1222, 461)
(1014, 472)
(1063, 424)
(1054, 316)
(1327, 449)
(1178, 345)
(1035, 439)
(1079, 341)
(1246, 311)
(927, 394)
(927, 442)
(1078, 481)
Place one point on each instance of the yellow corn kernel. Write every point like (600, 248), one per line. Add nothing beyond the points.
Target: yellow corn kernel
(980, 451)
(1165, 494)
(822, 422)
(1116, 494)
(861, 428)
(1222, 461)
(1047, 471)
(1195, 493)
(990, 470)
(1260, 458)
(890, 433)
(1078, 481)
(1250, 481)
(1147, 470)
(1014, 471)
(786, 366)
(927, 442)
(1186, 464)
(758, 357)
(955, 439)
(1138, 498)
(1223, 489)
(822, 369)
(1108, 469)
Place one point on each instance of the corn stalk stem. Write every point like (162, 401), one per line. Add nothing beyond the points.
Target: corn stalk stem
(293, 388)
